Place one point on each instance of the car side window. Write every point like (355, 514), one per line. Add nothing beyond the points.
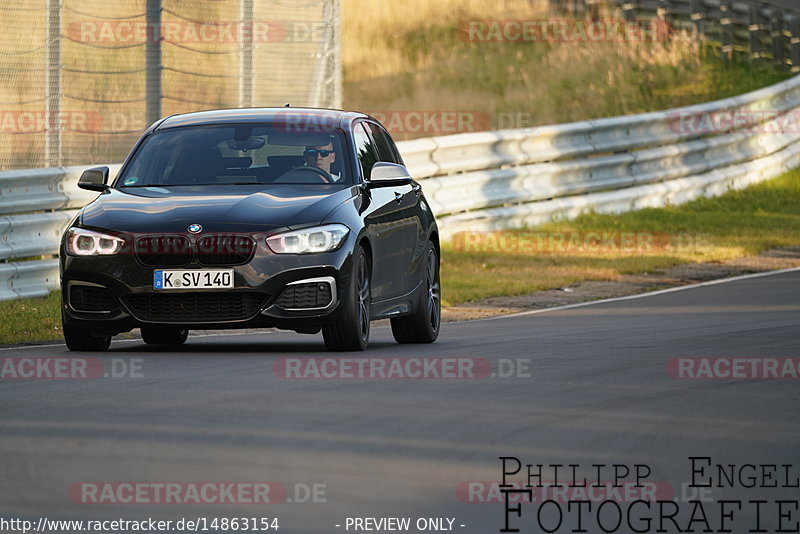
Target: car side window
(365, 149)
(386, 150)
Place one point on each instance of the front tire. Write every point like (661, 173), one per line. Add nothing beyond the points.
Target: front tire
(352, 333)
(81, 339)
(159, 335)
(423, 325)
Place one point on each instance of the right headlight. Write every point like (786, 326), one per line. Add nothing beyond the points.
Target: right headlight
(83, 242)
(309, 240)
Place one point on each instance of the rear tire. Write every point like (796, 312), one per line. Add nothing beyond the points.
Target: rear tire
(161, 335)
(81, 339)
(352, 333)
(423, 325)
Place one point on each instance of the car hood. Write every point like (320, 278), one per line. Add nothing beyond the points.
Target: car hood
(237, 209)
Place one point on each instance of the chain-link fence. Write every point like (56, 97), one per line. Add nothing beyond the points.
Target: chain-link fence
(81, 79)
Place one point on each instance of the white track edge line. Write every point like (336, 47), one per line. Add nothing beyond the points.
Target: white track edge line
(636, 296)
(508, 315)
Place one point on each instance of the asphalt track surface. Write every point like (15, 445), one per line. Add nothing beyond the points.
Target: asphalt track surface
(597, 391)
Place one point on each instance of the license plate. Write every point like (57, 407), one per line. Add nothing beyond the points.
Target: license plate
(193, 279)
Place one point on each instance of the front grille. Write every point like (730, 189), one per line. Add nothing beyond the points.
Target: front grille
(191, 307)
(164, 250)
(92, 299)
(225, 249)
(178, 250)
(311, 295)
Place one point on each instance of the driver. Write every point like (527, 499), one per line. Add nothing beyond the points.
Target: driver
(321, 156)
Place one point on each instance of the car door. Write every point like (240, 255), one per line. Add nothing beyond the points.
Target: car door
(382, 218)
(410, 232)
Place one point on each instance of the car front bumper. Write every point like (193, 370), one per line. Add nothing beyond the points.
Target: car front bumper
(252, 303)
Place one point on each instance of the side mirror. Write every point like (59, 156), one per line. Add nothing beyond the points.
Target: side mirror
(389, 174)
(94, 179)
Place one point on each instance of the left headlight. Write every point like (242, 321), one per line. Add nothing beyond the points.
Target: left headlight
(308, 240)
(82, 242)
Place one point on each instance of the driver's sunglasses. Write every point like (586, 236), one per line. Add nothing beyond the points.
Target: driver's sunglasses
(312, 152)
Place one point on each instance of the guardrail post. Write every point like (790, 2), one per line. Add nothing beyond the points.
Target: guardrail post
(246, 55)
(153, 61)
(698, 17)
(630, 10)
(754, 32)
(776, 35)
(794, 43)
(726, 22)
(52, 140)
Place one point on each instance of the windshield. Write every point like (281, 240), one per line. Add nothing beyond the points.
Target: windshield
(238, 154)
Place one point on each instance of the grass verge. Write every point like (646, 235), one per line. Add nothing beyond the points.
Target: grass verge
(740, 223)
(37, 319)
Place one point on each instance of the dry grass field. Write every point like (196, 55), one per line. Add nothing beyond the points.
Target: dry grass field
(415, 55)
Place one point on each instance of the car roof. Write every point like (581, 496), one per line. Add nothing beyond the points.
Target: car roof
(316, 116)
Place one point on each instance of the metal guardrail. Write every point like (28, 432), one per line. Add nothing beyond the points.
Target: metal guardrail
(495, 180)
(55, 196)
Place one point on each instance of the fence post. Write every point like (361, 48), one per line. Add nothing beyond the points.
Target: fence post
(336, 100)
(776, 35)
(52, 138)
(726, 22)
(754, 32)
(153, 61)
(698, 17)
(630, 10)
(794, 29)
(246, 55)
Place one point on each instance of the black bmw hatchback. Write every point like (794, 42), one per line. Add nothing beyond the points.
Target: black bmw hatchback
(300, 219)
